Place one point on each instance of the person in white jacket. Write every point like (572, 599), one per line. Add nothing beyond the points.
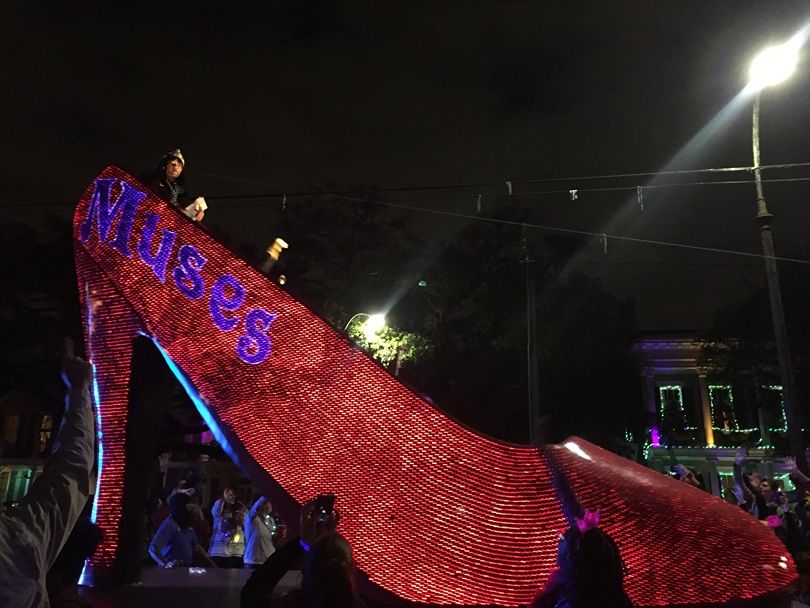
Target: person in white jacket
(33, 533)
(259, 529)
(228, 537)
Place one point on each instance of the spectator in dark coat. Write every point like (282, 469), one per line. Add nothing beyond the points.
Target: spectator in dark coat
(590, 570)
(169, 183)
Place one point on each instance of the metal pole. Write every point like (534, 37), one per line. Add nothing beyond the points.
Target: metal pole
(786, 374)
(349, 322)
(398, 359)
(531, 342)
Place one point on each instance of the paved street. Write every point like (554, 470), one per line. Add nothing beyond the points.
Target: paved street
(180, 588)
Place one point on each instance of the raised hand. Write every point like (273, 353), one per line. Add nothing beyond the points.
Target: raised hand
(312, 529)
(76, 372)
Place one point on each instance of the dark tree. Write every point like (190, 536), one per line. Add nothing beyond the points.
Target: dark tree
(38, 303)
(740, 349)
(473, 310)
(345, 256)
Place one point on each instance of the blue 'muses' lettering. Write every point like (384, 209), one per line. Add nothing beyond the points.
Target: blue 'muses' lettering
(254, 346)
(221, 301)
(102, 212)
(111, 215)
(187, 272)
(160, 259)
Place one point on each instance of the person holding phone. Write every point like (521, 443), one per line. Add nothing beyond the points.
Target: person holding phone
(328, 565)
(227, 538)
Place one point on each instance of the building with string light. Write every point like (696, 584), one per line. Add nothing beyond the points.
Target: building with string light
(700, 418)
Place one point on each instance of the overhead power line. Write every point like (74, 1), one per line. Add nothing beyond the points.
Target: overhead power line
(513, 182)
(600, 235)
(444, 197)
(441, 5)
(603, 237)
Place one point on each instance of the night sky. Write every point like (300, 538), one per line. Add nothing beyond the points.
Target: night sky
(285, 97)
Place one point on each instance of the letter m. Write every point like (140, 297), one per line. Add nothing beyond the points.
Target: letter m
(103, 212)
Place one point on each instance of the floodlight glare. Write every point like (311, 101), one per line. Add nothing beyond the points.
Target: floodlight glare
(374, 324)
(774, 65)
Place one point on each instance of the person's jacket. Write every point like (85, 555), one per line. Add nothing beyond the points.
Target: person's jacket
(33, 533)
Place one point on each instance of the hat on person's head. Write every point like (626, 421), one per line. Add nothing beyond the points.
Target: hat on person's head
(178, 509)
(175, 154)
(178, 501)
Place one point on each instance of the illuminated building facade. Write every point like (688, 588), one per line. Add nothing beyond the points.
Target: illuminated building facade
(701, 419)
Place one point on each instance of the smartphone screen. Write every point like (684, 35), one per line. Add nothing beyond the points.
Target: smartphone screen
(325, 503)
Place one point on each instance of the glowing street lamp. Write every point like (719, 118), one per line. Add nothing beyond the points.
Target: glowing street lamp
(775, 64)
(374, 323)
(770, 67)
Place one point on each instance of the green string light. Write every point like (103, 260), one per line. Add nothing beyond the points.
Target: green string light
(708, 447)
(666, 394)
(716, 393)
(777, 388)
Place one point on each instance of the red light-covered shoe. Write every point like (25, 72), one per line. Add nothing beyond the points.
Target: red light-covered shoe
(435, 512)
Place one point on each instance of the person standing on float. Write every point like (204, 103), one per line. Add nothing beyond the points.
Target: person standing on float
(169, 183)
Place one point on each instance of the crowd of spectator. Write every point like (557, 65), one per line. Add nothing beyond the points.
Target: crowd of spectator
(41, 560)
(785, 511)
(235, 537)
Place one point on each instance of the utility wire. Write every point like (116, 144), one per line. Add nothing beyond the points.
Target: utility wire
(600, 235)
(541, 227)
(396, 204)
(494, 184)
(438, 198)
(500, 195)
(469, 185)
(422, 5)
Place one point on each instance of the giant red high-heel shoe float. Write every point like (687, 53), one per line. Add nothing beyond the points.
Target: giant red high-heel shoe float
(435, 512)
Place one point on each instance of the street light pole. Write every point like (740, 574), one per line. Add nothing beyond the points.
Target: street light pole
(786, 374)
(375, 321)
(532, 362)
